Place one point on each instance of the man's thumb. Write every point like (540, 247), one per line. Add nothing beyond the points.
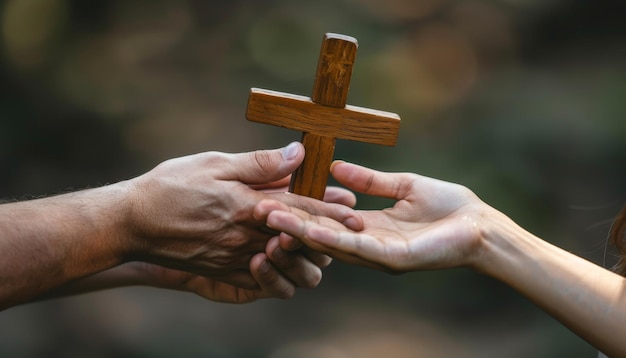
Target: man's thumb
(264, 166)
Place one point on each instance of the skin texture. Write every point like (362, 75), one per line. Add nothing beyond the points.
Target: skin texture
(436, 225)
(187, 224)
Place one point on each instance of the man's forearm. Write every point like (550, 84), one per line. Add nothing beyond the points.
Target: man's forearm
(48, 242)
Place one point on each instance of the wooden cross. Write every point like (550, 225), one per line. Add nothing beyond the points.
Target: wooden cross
(325, 116)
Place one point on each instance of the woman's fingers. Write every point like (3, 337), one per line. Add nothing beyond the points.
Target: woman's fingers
(324, 234)
(288, 202)
(339, 195)
(371, 182)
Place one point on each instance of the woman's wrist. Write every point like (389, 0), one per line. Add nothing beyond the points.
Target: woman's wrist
(503, 243)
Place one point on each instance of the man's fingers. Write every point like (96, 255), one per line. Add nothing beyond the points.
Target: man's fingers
(278, 186)
(269, 279)
(320, 260)
(293, 265)
(263, 166)
(239, 278)
(288, 242)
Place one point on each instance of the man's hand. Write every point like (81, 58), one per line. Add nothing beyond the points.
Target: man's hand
(192, 214)
(195, 213)
(298, 272)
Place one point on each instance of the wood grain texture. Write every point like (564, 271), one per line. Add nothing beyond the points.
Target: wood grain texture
(330, 90)
(300, 113)
(312, 175)
(334, 70)
(325, 116)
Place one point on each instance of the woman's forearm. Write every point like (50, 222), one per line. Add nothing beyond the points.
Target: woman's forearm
(48, 242)
(587, 298)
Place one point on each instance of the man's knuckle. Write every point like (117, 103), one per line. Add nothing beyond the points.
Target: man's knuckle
(264, 162)
(287, 292)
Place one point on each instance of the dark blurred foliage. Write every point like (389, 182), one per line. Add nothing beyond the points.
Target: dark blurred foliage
(522, 101)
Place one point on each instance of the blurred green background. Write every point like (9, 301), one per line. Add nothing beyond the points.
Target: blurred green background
(523, 101)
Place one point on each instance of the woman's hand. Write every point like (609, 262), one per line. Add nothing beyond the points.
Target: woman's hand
(433, 224)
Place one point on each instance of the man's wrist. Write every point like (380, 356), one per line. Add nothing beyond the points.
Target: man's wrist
(118, 227)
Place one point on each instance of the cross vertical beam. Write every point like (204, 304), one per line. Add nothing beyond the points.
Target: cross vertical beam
(331, 86)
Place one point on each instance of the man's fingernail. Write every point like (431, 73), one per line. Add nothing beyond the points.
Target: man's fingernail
(290, 151)
(264, 267)
(278, 253)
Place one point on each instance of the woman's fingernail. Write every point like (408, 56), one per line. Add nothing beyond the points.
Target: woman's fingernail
(352, 224)
(334, 163)
(290, 151)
